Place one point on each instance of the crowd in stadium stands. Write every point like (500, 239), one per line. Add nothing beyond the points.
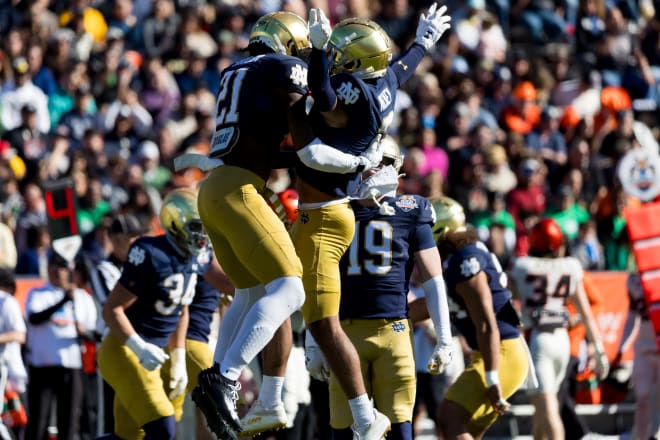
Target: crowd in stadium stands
(522, 111)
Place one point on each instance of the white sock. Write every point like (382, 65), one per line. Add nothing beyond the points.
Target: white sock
(270, 392)
(283, 296)
(362, 410)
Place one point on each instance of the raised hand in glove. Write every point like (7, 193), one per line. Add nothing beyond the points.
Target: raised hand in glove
(432, 26)
(151, 356)
(440, 359)
(319, 28)
(178, 372)
(315, 360)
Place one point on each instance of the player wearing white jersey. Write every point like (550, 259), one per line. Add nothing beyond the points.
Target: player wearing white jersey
(543, 282)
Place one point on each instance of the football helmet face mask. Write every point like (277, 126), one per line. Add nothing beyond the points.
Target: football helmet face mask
(359, 46)
(284, 33)
(391, 153)
(180, 220)
(449, 217)
(545, 236)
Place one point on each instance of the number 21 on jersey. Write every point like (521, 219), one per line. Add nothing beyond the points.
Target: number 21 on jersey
(226, 120)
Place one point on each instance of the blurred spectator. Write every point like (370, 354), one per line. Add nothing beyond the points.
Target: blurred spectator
(24, 92)
(496, 227)
(92, 207)
(160, 95)
(200, 138)
(435, 158)
(526, 202)
(8, 254)
(121, 19)
(568, 214)
(12, 335)
(59, 316)
(498, 178)
(586, 247)
(126, 117)
(396, 17)
(81, 117)
(546, 141)
(33, 257)
(27, 140)
(155, 174)
(91, 19)
(540, 18)
(469, 188)
(158, 30)
(33, 213)
(197, 74)
(42, 76)
(523, 114)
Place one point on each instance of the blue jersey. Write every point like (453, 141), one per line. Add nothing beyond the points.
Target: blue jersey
(201, 311)
(462, 265)
(370, 109)
(250, 101)
(164, 281)
(376, 268)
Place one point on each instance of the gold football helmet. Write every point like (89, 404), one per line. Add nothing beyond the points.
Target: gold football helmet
(360, 46)
(283, 32)
(180, 220)
(391, 152)
(449, 216)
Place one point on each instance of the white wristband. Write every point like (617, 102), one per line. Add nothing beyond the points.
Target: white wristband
(492, 378)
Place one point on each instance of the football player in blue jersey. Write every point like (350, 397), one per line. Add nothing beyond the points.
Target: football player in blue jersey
(352, 109)
(147, 315)
(481, 309)
(392, 234)
(199, 355)
(249, 240)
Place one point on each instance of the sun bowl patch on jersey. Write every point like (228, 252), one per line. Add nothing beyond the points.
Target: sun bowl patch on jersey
(406, 203)
(470, 267)
(136, 256)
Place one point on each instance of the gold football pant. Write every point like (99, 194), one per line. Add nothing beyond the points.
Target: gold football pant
(251, 243)
(470, 392)
(321, 236)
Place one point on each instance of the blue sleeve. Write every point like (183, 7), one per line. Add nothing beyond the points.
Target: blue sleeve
(424, 237)
(319, 81)
(424, 225)
(138, 270)
(404, 67)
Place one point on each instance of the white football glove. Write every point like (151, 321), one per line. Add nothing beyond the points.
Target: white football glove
(178, 372)
(374, 154)
(151, 356)
(315, 360)
(432, 25)
(319, 28)
(602, 365)
(440, 359)
(383, 182)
